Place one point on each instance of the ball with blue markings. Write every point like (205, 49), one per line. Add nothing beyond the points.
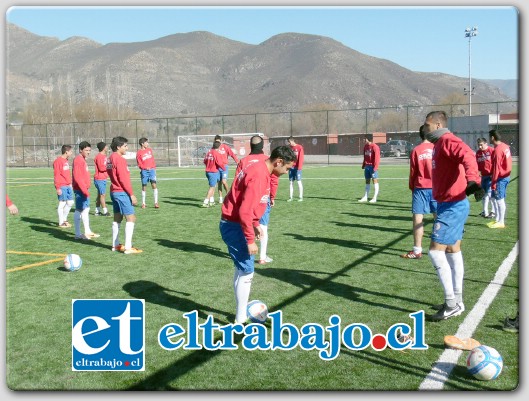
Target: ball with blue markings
(484, 363)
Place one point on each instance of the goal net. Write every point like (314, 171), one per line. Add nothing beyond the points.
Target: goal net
(193, 148)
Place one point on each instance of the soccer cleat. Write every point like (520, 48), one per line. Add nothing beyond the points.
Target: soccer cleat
(374, 200)
(491, 223)
(289, 200)
(205, 205)
(465, 344)
(265, 261)
(65, 225)
(411, 255)
(143, 205)
(96, 213)
(446, 312)
(300, 200)
(105, 214)
(212, 204)
(132, 250)
(118, 248)
(492, 215)
(482, 214)
(364, 199)
(92, 235)
(497, 225)
(82, 237)
(511, 325)
(156, 206)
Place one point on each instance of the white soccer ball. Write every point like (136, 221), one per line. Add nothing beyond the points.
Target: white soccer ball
(484, 363)
(257, 311)
(72, 262)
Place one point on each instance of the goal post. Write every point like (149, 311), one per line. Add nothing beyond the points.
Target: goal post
(193, 148)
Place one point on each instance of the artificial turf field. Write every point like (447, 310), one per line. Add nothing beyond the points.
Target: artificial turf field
(332, 256)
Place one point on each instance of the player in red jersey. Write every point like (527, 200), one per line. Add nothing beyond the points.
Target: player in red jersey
(122, 195)
(62, 179)
(213, 163)
(500, 177)
(370, 167)
(100, 179)
(455, 175)
(11, 206)
(295, 173)
(484, 160)
(224, 151)
(420, 183)
(81, 187)
(147, 165)
(242, 209)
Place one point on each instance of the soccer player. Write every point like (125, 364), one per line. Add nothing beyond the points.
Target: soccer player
(11, 206)
(147, 165)
(420, 183)
(454, 176)
(295, 172)
(484, 160)
(224, 151)
(244, 205)
(100, 179)
(122, 195)
(81, 187)
(501, 172)
(213, 162)
(370, 167)
(62, 180)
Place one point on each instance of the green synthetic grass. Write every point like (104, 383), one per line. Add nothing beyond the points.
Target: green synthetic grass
(331, 255)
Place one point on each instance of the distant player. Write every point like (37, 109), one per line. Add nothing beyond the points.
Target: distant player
(147, 165)
(81, 187)
(370, 167)
(244, 205)
(213, 162)
(295, 172)
(62, 179)
(484, 160)
(100, 179)
(224, 151)
(420, 183)
(13, 209)
(501, 175)
(122, 195)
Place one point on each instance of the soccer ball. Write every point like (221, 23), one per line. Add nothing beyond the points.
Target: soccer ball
(257, 311)
(72, 262)
(484, 363)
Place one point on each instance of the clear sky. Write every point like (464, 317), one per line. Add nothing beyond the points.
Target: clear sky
(426, 39)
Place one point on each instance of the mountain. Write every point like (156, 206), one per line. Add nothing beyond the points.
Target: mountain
(507, 86)
(200, 73)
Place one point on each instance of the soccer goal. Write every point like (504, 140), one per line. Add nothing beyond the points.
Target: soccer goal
(193, 148)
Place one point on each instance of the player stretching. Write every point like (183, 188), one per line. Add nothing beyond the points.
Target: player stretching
(100, 179)
(122, 195)
(370, 167)
(244, 205)
(224, 151)
(62, 180)
(295, 172)
(420, 183)
(213, 163)
(454, 176)
(147, 165)
(501, 172)
(484, 160)
(81, 185)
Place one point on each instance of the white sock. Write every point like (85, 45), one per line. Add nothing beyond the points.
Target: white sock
(155, 192)
(115, 233)
(86, 220)
(143, 197)
(494, 203)
(501, 209)
(368, 187)
(66, 210)
(417, 249)
(376, 191)
(242, 284)
(291, 189)
(129, 230)
(442, 267)
(60, 211)
(212, 199)
(221, 199)
(97, 209)
(300, 187)
(455, 260)
(105, 210)
(486, 200)
(263, 242)
(77, 223)
(206, 201)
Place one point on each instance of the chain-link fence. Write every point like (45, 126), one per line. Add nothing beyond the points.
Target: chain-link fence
(328, 136)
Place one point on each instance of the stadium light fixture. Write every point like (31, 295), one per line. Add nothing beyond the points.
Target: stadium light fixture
(469, 33)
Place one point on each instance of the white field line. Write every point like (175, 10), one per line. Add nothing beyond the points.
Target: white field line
(448, 359)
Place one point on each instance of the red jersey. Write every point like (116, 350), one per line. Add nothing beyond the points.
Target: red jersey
(300, 156)
(371, 155)
(81, 175)
(145, 159)
(252, 158)
(119, 174)
(247, 199)
(100, 163)
(453, 166)
(225, 151)
(61, 173)
(484, 160)
(212, 160)
(8, 201)
(421, 166)
(501, 162)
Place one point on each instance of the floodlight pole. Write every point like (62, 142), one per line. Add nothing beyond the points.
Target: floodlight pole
(469, 33)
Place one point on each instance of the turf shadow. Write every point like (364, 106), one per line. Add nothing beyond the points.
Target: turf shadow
(192, 247)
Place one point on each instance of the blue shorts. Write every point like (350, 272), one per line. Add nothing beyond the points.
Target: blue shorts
(213, 178)
(223, 172)
(265, 218)
(449, 224)
(369, 173)
(501, 188)
(66, 195)
(486, 182)
(101, 186)
(122, 203)
(82, 201)
(422, 201)
(148, 175)
(294, 174)
(234, 238)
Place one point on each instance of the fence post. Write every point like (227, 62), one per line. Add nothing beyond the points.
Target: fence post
(168, 143)
(328, 144)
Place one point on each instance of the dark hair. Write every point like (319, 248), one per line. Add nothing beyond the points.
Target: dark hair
(142, 141)
(283, 152)
(65, 148)
(217, 138)
(481, 140)
(438, 116)
(495, 134)
(84, 144)
(216, 145)
(101, 146)
(291, 139)
(118, 142)
(421, 132)
(369, 137)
